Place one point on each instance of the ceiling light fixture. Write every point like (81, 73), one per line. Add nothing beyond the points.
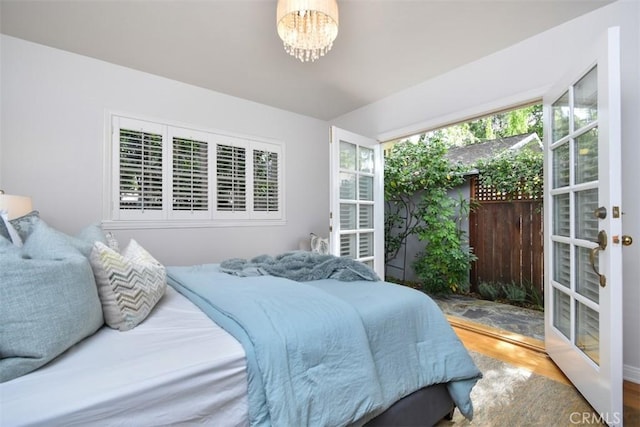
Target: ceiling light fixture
(307, 27)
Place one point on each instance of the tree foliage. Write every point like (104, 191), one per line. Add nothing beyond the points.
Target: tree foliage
(501, 125)
(453, 136)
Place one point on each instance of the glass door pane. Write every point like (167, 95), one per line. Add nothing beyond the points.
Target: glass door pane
(562, 312)
(586, 222)
(587, 281)
(585, 94)
(561, 166)
(588, 332)
(586, 156)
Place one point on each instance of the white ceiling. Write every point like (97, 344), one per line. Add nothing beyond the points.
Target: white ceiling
(232, 47)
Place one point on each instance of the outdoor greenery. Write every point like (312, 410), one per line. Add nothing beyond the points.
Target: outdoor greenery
(500, 125)
(514, 173)
(418, 178)
(421, 169)
(444, 265)
(525, 294)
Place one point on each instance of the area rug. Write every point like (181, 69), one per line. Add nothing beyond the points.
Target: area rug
(512, 396)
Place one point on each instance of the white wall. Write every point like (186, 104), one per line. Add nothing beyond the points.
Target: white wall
(53, 128)
(520, 73)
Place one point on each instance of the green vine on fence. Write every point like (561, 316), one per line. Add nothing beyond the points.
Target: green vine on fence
(514, 173)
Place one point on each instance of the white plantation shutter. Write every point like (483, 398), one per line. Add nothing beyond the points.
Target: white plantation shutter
(166, 173)
(231, 178)
(190, 174)
(266, 179)
(140, 169)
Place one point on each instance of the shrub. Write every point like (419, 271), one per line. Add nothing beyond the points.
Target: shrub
(490, 291)
(514, 292)
(443, 267)
(534, 296)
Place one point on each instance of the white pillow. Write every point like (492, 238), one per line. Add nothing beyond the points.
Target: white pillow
(129, 284)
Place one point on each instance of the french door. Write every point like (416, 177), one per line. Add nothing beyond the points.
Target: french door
(583, 260)
(357, 199)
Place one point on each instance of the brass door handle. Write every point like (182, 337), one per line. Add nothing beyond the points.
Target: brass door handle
(600, 213)
(602, 245)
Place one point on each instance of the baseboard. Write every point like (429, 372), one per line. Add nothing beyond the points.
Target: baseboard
(631, 373)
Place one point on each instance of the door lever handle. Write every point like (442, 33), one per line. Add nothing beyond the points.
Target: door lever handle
(602, 245)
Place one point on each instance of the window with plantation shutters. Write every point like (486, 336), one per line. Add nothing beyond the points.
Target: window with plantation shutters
(176, 176)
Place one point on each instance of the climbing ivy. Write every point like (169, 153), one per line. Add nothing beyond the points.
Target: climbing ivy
(421, 169)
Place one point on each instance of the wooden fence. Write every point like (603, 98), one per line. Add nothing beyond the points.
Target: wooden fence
(507, 237)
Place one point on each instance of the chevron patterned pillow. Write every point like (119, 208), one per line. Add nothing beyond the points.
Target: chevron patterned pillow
(129, 284)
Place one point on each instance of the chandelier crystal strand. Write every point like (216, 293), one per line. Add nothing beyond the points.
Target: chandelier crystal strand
(307, 27)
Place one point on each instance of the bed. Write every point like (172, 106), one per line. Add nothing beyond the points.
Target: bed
(246, 349)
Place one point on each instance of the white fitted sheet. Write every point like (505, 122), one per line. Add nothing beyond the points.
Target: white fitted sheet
(178, 367)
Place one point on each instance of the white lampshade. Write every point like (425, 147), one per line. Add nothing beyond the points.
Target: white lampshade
(16, 206)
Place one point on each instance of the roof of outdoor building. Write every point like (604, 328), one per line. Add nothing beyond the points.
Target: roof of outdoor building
(470, 154)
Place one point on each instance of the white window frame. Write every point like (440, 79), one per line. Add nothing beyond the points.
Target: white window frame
(116, 218)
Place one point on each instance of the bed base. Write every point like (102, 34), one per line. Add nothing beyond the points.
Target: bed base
(425, 407)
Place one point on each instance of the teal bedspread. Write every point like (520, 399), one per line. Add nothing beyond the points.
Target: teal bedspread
(330, 353)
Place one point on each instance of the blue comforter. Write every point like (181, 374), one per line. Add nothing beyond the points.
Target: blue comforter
(330, 353)
(301, 266)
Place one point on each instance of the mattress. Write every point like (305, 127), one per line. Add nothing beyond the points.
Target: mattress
(177, 367)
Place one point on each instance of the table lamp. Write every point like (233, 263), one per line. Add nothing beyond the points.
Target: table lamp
(16, 206)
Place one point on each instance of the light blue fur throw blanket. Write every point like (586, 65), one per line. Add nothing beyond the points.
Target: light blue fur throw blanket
(300, 266)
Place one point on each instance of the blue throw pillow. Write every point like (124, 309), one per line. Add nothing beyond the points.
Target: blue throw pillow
(5, 243)
(25, 223)
(46, 242)
(48, 301)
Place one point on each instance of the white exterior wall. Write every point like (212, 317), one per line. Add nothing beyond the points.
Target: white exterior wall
(520, 73)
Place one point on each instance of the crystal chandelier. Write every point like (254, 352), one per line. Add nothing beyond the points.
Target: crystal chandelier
(307, 27)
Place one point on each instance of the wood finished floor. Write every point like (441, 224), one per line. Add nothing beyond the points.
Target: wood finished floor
(528, 353)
